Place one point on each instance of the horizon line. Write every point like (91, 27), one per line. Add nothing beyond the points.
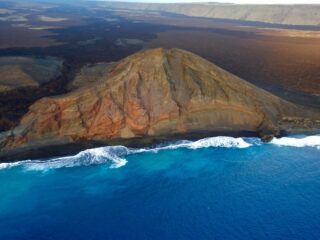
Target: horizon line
(204, 2)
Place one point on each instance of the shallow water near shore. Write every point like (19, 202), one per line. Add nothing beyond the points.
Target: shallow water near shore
(213, 188)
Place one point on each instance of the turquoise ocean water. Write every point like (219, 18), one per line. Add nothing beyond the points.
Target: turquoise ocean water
(214, 188)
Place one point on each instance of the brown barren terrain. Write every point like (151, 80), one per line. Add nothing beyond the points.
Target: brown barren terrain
(286, 61)
(152, 94)
(283, 59)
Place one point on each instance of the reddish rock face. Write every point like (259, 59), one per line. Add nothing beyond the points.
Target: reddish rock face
(153, 93)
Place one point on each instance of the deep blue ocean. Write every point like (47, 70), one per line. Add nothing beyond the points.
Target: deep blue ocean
(215, 188)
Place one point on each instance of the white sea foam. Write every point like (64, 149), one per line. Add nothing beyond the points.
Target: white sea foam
(308, 141)
(88, 157)
(116, 154)
(226, 142)
(85, 158)
(10, 165)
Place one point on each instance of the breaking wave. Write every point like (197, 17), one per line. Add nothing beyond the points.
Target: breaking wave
(309, 141)
(85, 158)
(225, 142)
(116, 154)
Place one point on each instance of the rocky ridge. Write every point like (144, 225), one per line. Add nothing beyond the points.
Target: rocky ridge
(152, 94)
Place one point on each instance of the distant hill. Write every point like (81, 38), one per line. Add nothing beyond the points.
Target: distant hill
(19, 72)
(274, 14)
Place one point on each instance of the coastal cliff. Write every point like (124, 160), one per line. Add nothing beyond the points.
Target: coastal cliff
(154, 94)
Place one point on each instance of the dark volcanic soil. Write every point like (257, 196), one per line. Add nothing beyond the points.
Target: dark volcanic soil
(284, 62)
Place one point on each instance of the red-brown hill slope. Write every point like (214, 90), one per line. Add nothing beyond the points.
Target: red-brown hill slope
(151, 94)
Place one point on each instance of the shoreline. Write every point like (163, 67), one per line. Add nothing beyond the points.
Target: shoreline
(61, 149)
